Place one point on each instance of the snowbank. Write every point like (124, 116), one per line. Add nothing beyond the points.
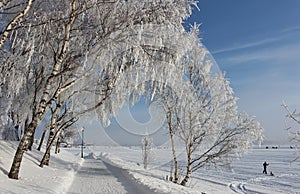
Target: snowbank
(56, 178)
(245, 177)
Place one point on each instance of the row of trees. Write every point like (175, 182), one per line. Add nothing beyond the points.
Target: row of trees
(62, 60)
(70, 58)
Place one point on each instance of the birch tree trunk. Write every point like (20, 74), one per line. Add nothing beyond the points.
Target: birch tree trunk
(9, 27)
(56, 135)
(171, 132)
(46, 158)
(57, 147)
(23, 145)
(42, 139)
(31, 141)
(26, 138)
(189, 164)
(189, 153)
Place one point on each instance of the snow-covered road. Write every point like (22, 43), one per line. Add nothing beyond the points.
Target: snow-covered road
(96, 176)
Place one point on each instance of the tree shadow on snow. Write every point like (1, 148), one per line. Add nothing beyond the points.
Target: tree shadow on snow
(4, 170)
(90, 171)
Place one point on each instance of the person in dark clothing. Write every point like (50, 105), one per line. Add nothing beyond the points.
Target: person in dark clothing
(265, 164)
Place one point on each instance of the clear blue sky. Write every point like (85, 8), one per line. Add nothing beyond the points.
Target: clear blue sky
(257, 42)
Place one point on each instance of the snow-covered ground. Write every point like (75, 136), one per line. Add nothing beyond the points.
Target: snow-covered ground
(245, 176)
(68, 173)
(57, 178)
(96, 176)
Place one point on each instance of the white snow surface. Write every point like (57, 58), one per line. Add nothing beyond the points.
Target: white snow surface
(57, 178)
(245, 176)
(118, 169)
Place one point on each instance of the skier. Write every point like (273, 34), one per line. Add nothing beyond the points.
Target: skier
(265, 164)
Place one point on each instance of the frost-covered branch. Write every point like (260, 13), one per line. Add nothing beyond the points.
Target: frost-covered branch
(73, 43)
(209, 123)
(11, 24)
(294, 132)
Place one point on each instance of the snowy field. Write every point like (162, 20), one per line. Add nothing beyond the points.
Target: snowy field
(121, 167)
(244, 177)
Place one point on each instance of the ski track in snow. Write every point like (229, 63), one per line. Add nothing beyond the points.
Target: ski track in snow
(241, 188)
(237, 187)
(96, 176)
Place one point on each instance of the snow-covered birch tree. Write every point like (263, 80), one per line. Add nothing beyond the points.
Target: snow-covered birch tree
(15, 67)
(210, 126)
(168, 98)
(68, 35)
(17, 10)
(44, 99)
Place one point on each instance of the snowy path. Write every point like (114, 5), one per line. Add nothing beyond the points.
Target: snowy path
(96, 176)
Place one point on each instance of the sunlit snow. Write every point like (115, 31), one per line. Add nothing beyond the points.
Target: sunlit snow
(69, 173)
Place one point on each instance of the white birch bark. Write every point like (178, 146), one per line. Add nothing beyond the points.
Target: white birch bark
(10, 26)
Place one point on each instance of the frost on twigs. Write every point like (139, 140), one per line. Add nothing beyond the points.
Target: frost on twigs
(292, 123)
(83, 58)
(87, 54)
